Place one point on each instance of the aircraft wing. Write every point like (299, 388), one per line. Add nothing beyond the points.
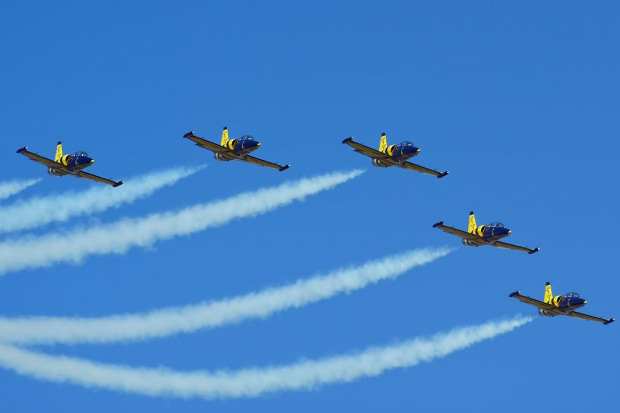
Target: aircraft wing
(92, 177)
(515, 247)
(536, 303)
(589, 317)
(457, 232)
(41, 159)
(414, 167)
(262, 162)
(203, 143)
(365, 150)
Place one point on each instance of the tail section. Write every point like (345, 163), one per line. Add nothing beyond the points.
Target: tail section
(58, 152)
(383, 144)
(548, 294)
(472, 223)
(224, 136)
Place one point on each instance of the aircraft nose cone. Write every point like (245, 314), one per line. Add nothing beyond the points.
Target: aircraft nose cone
(501, 231)
(257, 144)
(84, 160)
(411, 150)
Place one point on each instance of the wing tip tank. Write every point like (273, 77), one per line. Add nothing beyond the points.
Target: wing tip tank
(611, 320)
(514, 293)
(347, 140)
(20, 150)
(284, 168)
(436, 224)
(119, 183)
(441, 175)
(534, 251)
(188, 134)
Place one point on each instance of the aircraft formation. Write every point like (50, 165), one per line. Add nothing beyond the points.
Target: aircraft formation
(386, 156)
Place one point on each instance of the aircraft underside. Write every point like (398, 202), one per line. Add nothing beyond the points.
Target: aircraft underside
(383, 163)
(230, 157)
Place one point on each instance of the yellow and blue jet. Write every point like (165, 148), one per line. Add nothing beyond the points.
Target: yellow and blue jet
(483, 235)
(393, 155)
(559, 305)
(234, 149)
(68, 164)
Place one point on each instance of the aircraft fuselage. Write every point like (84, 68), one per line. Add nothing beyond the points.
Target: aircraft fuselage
(397, 154)
(74, 163)
(489, 234)
(240, 148)
(565, 304)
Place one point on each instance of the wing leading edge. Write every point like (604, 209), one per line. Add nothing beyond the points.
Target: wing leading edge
(41, 159)
(363, 149)
(263, 162)
(203, 143)
(96, 178)
(590, 318)
(515, 247)
(532, 301)
(457, 232)
(424, 170)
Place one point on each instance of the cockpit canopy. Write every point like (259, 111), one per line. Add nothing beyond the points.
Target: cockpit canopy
(406, 143)
(80, 153)
(496, 225)
(247, 138)
(572, 295)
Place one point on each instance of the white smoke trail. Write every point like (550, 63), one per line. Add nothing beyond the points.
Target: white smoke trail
(117, 238)
(10, 188)
(251, 382)
(169, 321)
(60, 208)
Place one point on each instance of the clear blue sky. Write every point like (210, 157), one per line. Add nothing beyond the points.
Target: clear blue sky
(519, 101)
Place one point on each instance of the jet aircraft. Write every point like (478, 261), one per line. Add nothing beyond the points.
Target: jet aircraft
(393, 155)
(68, 164)
(234, 149)
(559, 305)
(484, 235)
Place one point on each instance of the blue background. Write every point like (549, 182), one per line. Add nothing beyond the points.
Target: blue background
(519, 101)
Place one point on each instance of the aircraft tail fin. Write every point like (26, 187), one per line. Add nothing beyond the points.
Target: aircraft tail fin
(224, 136)
(472, 223)
(383, 143)
(548, 293)
(58, 152)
